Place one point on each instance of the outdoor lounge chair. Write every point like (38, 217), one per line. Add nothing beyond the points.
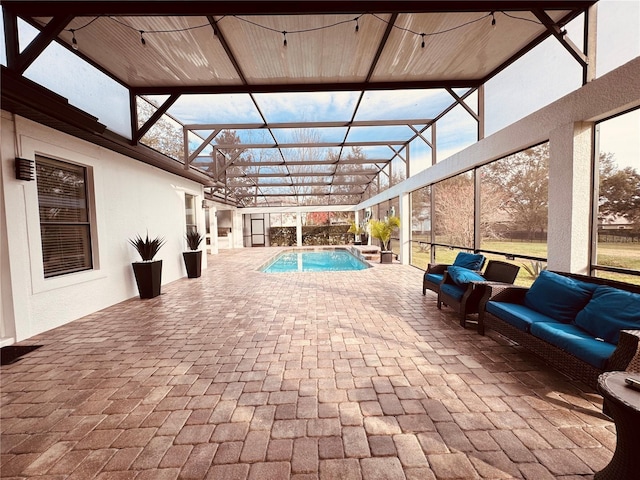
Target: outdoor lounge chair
(462, 289)
(435, 271)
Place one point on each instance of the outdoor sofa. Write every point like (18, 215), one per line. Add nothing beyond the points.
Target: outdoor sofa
(581, 325)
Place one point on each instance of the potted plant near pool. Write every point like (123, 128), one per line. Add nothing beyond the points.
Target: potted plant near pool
(357, 231)
(382, 230)
(148, 272)
(193, 258)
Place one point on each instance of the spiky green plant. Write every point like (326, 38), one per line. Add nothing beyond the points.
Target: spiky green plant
(355, 228)
(147, 248)
(383, 229)
(534, 268)
(194, 239)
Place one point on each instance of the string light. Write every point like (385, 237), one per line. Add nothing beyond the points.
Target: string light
(74, 42)
(214, 26)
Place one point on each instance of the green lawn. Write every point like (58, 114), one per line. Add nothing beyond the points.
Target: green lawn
(623, 255)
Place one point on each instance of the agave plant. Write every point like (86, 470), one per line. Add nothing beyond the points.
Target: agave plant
(147, 248)
(193, 239)
(382, 230)
(534, 268)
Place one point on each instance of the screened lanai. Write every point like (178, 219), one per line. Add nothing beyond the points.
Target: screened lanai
(327, 98)
(507, 128)
(289, 113)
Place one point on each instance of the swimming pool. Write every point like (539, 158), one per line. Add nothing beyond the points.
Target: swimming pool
(314, 261)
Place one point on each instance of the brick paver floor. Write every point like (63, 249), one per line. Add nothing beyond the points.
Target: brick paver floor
(245, 375)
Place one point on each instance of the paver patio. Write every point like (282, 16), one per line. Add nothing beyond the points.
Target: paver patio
(240, 374)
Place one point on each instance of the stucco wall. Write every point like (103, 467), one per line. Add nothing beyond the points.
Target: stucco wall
(127, 196)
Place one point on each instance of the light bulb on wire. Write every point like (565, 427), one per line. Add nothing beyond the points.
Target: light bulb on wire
(74, 42)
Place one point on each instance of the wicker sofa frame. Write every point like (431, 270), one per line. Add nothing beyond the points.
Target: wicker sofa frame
(626, 356)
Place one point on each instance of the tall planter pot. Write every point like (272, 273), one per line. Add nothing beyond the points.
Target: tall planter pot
(386, 256)
(148, 278)
(193, 263)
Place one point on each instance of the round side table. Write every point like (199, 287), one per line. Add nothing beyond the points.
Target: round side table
(623, 404)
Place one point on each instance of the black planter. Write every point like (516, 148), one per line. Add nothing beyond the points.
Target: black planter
(386, 257)
(148, 277)
(193, 263)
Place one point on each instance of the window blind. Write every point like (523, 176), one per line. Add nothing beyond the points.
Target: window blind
(64, 217)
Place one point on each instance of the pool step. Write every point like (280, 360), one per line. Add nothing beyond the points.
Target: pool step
(369, 252)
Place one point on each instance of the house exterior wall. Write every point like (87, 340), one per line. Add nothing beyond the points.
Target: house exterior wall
(126, 197)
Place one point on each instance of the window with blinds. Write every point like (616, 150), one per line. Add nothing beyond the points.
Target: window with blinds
(190, 211)
(64, 217)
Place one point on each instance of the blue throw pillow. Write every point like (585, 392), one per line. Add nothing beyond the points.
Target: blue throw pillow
(557, 296)
(609, 311)
(472, 261)
(463, 276)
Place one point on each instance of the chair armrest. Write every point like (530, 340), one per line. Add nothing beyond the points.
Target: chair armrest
(437, 267)
(626, 356)
(503, 292)
(506, 292)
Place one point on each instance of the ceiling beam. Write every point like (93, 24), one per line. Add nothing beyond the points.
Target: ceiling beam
(278, 7)
(306, 87)
(161, 110)
(307, 174)
(305, 184)
(560, 34)
(48, 34)
(301, 194)
(530, 46)
(298, 163)
(247, 146)
(350, 123)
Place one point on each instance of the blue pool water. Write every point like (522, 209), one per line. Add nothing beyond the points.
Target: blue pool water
(314, 261)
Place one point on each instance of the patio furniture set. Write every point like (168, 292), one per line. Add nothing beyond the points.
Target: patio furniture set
(586, 327)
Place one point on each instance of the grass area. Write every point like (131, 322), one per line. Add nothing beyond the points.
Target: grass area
(622, 255)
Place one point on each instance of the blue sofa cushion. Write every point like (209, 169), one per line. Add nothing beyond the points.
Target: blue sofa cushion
(517, 315)
(609, 311)
(576, 341)
(433, 277)
(452, 290)
(463, 276)
(557, 296)
(472, 261)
